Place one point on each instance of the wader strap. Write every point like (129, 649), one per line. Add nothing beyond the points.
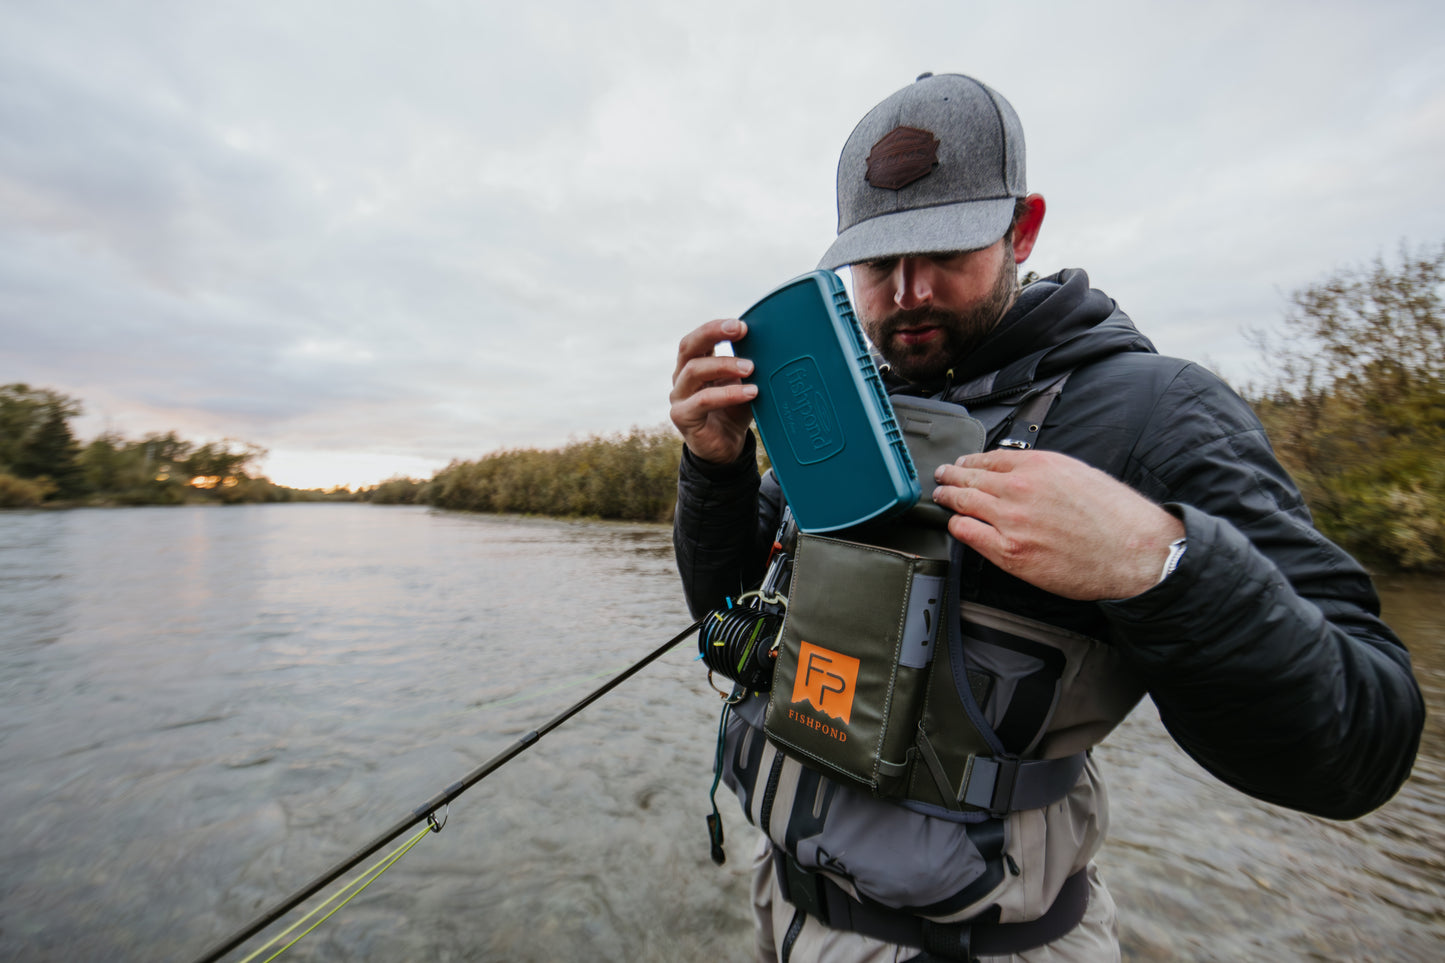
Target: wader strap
(1002, 785)
(824, 900)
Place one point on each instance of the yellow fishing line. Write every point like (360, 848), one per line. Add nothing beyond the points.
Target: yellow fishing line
(374, 871)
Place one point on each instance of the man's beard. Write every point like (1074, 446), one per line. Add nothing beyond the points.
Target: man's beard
(961, 332)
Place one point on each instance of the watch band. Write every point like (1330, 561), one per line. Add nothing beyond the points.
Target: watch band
(1176, 552)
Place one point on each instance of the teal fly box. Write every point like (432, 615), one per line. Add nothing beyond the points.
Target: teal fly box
(821, 410)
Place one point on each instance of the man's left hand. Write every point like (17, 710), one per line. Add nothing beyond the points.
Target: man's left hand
(1057, 523)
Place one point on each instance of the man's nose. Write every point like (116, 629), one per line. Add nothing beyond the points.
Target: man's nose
(912, 283)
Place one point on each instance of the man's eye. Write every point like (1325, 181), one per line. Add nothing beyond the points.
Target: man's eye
(882, 265)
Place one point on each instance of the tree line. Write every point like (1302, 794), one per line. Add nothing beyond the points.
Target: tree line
(42, 462)
(1353, 401)
(626, 476)
(1355, 406)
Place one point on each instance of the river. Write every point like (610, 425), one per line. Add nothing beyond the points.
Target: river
(203, 708)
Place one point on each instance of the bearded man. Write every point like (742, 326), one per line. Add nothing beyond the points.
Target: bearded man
(1127, 530)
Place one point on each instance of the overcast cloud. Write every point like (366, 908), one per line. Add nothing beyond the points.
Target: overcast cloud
(373, 237)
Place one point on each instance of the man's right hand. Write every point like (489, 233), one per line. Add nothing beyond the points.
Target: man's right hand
(709, 399)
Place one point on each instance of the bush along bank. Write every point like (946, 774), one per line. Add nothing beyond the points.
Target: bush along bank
(630, 476)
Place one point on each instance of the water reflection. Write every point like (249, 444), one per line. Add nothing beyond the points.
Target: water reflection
(1203, 872)
(204, 707)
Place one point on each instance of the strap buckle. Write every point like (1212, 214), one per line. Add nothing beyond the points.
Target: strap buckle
(988, 783)
(949, 941)
(804, 889)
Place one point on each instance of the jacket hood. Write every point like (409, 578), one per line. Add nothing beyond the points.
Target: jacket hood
(1057, 324)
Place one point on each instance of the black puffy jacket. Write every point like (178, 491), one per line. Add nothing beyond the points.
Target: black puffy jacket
(1263, 651)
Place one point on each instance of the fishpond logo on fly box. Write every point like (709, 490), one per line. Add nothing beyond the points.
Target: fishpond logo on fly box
(806, 411)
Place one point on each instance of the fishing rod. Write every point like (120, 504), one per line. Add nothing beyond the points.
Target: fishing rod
(427, 810)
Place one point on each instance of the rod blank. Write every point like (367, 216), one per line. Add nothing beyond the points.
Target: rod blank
(429, 807)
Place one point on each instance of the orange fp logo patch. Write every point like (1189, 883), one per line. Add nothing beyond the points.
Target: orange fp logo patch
(826, 679)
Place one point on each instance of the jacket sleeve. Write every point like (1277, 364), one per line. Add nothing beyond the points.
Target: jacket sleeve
(722, 527)
(1263, 651)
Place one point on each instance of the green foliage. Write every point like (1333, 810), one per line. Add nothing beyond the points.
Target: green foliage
(22, 411)
(630, 476)
(221, 460)
(397, 490)
(164, 469)
(1357, 407)
(41, 460)
(109, 467)
(23, 492)
(35, 438)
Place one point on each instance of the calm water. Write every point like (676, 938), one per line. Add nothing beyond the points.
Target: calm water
(202, 708)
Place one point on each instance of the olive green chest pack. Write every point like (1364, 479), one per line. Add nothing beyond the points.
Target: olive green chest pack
(870, 684)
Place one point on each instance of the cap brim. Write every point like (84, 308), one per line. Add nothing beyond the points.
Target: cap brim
(930, 230)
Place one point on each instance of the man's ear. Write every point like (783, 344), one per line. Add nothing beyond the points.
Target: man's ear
(1026, 231)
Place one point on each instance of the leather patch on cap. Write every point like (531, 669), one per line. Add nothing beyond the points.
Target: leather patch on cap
(902, 156)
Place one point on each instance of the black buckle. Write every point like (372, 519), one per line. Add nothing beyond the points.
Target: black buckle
(950, 941)
(988, 783)
(805, 889)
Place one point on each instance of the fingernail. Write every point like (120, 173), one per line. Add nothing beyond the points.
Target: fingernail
(732, 329)
(750, 391)
(745, 366)
(938, 473)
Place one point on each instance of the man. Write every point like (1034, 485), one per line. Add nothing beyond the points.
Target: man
(1135, 533)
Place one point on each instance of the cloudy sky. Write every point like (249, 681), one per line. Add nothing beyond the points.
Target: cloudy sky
(373, 237)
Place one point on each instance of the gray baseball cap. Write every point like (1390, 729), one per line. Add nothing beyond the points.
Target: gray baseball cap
(935, 167)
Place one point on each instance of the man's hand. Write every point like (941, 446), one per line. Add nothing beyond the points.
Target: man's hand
(709, 400)
(1057, 523)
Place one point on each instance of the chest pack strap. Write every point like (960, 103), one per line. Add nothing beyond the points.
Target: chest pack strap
(818, 896)
(1023, 423)
(1001, 784)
